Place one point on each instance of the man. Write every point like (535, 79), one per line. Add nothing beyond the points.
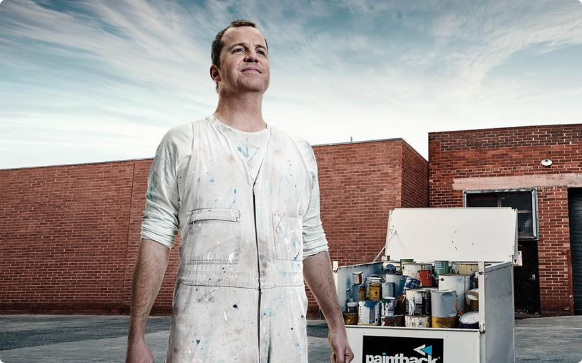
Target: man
(245, 197)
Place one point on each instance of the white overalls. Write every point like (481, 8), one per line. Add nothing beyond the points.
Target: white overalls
(239, 293)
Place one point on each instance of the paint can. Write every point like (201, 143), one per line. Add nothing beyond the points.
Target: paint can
(389, 269)
(376, 281)
(459, 283)
(426, 305)
(414, 302)
(411, 284)
(400, 305)
(469, 320)
(375, 291)
(425, 277)
(439, 323)
(351, 318)
(359, 292)
(368, 313)
(464, 268)
(443, 303)
(441, 268)
(398, 281)
(395, 320)
(413, 321)
(411, 269)
(352, 307)
(405, 261)
(357, 278)
(387, 307)
(388, 290)
(472, 300)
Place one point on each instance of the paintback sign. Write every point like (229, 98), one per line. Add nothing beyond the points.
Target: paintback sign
(378, 349)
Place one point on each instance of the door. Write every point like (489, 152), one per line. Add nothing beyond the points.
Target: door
(525, 281)
(575, 211)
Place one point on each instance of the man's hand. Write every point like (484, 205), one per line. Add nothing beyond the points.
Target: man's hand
(138, 352)
(319, 278)
(342, 353)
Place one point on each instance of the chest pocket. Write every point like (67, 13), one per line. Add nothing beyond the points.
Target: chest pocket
(288, 235)
(214, 236)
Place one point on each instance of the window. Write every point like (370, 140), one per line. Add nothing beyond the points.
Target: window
(525, 201)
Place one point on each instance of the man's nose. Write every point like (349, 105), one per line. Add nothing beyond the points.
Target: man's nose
(251, 56)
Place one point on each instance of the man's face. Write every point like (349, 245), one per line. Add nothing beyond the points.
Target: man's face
(244, 62)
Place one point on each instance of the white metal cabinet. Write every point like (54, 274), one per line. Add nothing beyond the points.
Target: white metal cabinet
(487, 236)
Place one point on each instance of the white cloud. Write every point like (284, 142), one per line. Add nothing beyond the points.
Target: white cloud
(358, 68)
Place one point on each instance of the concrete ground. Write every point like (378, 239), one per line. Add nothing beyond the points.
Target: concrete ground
(47, 339)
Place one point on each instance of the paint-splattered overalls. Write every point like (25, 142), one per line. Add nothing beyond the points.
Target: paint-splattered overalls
(239, 293)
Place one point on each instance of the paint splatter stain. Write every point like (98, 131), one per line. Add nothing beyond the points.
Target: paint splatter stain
(197, 341)
(235, 306)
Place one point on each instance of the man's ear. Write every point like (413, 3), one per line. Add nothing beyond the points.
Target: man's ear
(214, 73)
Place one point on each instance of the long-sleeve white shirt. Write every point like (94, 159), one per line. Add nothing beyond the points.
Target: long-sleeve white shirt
(167, 177)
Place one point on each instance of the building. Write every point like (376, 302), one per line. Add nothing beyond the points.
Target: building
(69, 235)
(538, 171)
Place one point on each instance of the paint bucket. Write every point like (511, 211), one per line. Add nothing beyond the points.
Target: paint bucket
(389, 269)
(425, 277)
(439, 323)
(405, 261)
(441, 268)
(352, 307)
(459, 283)
(359, 292)
(411, 284)
(387, 307)
(357, 278)
(398, 281)
(374, 291)
(368, 313)
(351, 319)
(472, 300)
(443, 303)
(400, 308)
(414, 302)
(469, 320)
(426, 305)
(388, 290)
(411, 269)
(395, 320)
(413, 321)
(464, 268)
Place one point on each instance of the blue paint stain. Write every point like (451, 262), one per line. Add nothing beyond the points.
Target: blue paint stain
(198, 180)
(235, 191)
(235, 306)
(212, 180)
(197, 341)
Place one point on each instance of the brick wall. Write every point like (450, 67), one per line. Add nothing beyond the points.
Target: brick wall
(69, 235)
(513, 156)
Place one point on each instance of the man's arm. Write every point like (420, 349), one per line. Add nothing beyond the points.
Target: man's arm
(149, 272)
(319, 278)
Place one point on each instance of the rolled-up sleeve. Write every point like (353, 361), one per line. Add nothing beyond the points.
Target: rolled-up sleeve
(160, 217)
(314, 240)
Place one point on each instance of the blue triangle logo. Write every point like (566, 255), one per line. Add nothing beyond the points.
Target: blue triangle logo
(428, 350)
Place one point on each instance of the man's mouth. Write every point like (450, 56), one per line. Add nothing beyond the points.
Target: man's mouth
(251, 70)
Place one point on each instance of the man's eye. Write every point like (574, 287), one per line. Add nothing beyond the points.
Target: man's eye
(237, 50)
(261, 52)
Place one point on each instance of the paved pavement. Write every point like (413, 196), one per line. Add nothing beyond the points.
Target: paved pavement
(48, 339)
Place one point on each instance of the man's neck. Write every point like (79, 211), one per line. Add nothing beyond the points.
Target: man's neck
(243, 112)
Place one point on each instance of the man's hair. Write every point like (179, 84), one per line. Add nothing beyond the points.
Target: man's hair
(217, 42)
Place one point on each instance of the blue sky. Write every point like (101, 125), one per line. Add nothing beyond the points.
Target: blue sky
(89, 81)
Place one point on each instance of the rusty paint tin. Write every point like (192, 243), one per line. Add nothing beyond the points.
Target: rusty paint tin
(395, 320)
(425, 277)
(417, 321)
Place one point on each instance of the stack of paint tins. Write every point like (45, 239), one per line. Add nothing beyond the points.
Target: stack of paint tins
(392, 286)
(455, 296)
(415, 299)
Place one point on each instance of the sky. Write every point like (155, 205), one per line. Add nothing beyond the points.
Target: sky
(85, 81)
